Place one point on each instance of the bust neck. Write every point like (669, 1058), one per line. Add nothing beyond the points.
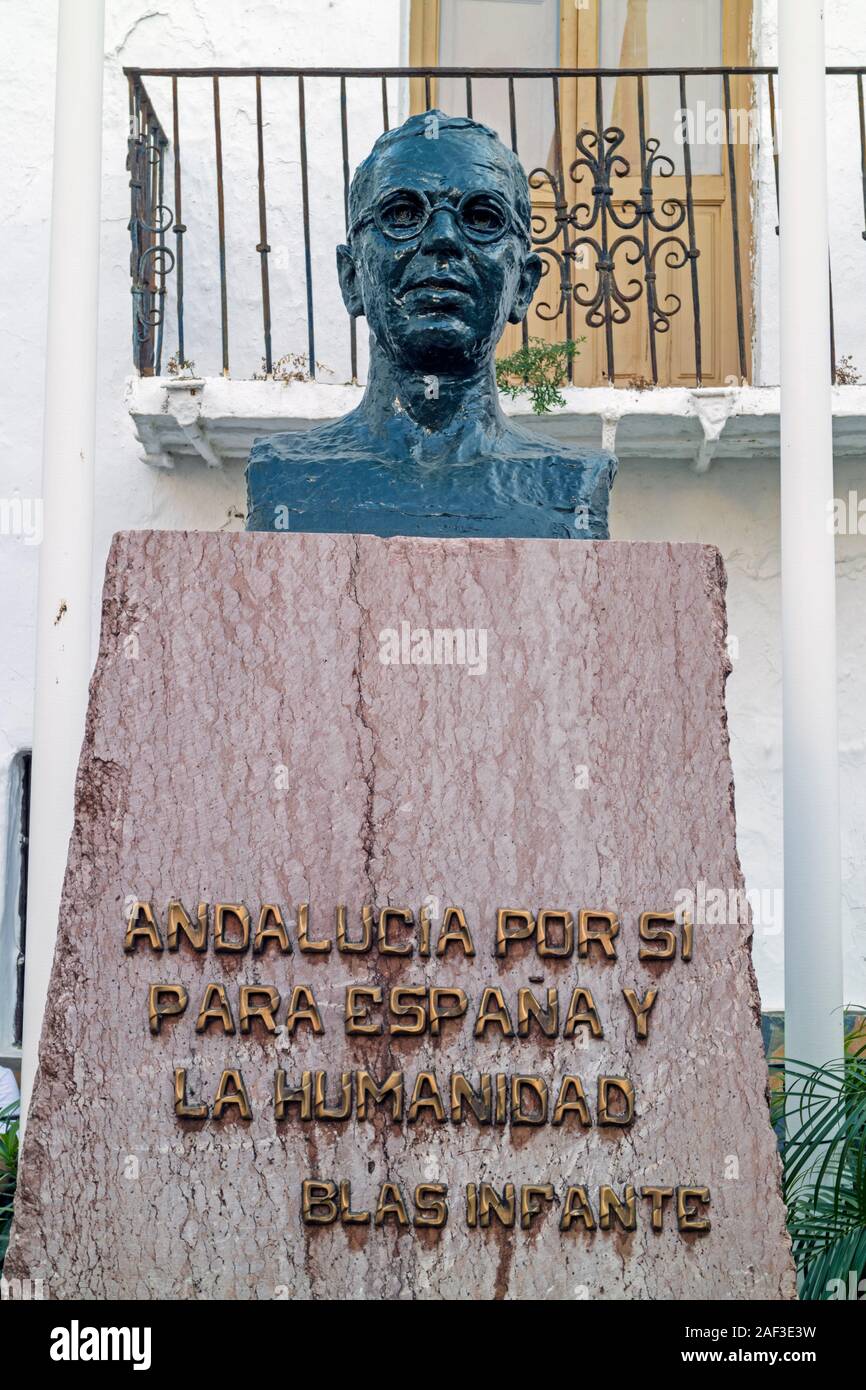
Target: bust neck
(435, 411)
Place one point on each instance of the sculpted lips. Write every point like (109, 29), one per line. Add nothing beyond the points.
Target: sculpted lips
(438, 288)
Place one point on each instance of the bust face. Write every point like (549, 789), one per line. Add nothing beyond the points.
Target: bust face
(438, 258)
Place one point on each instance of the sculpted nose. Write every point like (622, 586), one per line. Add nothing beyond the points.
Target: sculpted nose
(442, 233)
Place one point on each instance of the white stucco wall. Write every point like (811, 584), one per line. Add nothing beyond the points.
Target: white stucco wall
(735, 505)
(846, 46)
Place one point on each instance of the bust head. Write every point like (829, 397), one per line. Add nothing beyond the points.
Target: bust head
(439, 256)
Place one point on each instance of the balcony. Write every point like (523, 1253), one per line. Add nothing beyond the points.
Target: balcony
(654, 212)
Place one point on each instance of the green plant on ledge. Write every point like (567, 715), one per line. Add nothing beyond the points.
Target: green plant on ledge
(825, 1173)
(537, 369)
(8, 1172)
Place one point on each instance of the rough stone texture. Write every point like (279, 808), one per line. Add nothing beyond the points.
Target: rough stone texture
(255, 651)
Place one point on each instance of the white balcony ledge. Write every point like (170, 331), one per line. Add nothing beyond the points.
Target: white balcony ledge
(215, 420)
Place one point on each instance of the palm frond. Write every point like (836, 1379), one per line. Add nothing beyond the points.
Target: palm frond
(825, 1169)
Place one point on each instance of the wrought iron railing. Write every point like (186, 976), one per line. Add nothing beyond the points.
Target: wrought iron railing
(605, 224)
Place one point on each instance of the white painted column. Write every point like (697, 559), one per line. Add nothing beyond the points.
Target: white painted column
(65, 558)
(813, 943)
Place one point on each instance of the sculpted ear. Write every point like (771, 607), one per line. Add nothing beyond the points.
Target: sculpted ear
(350, 284)
(528, 284)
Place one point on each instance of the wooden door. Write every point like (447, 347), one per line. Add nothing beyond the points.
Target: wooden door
(711, 289)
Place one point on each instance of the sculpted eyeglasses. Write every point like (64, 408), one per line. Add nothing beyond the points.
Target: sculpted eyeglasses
(403, 213)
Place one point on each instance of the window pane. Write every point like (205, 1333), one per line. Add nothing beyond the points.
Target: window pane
(502, 33)
(661, 34)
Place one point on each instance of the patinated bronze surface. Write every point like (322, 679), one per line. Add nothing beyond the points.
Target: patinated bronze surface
(438, 260)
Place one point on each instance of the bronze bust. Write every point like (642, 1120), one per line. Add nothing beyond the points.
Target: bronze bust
(438, 259)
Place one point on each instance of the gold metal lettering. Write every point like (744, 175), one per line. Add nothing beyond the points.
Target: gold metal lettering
(559, 919)
(302, 1009)
(611, 1209)
(236, 1096)
(454, 929)
(657, 1196)
(649, 931)
(271, 927)
(404, 917)
(146, 929)
(425, 1096)
(431, 1209)
(577, 1207)
(354, 947)
(607, 1084)
(582, 1010)
(599, 929)
(222, 915)
(359, 998)
(158, 1008)
(492, 1009)
(391, 1204)
(536, 1087)
(341, 1111)
(504, 937)
(529, 1008)
(318, 1205)
(286, 1096)
(179, 921)
(480, 1102)
(182, 1108)
(366, 1086)
(571, 1098)
(401, 1006)
(641, 1010)
(687, 1218)
(215, 1009)
(264, 1011)
(347, 1216)
(440, 1009)
(530, 1197)
(304, 942)
(490, 1204)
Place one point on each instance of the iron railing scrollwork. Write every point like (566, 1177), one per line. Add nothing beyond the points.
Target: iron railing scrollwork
(150, 219)
(617, 234)
(616, 242)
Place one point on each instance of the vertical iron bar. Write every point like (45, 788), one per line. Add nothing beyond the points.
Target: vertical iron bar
(693, 248)
(385, 125)
(133, 161)
(775, 144)
(148, 238)
(512, 114)
(646, 207)
(469, 97)
(263, 248)
(427, 91)
(562, 218)
(832, 324)
(735, 227)
(179, 228)
(862, 143)
(512, 118)
(305, 199)
(221, 218)
(344, 132)
(605, 269)
(159, 146)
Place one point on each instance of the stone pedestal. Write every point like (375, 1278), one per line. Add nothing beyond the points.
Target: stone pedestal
(274, 720)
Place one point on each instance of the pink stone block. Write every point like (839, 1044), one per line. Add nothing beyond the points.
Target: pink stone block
(247, 743)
